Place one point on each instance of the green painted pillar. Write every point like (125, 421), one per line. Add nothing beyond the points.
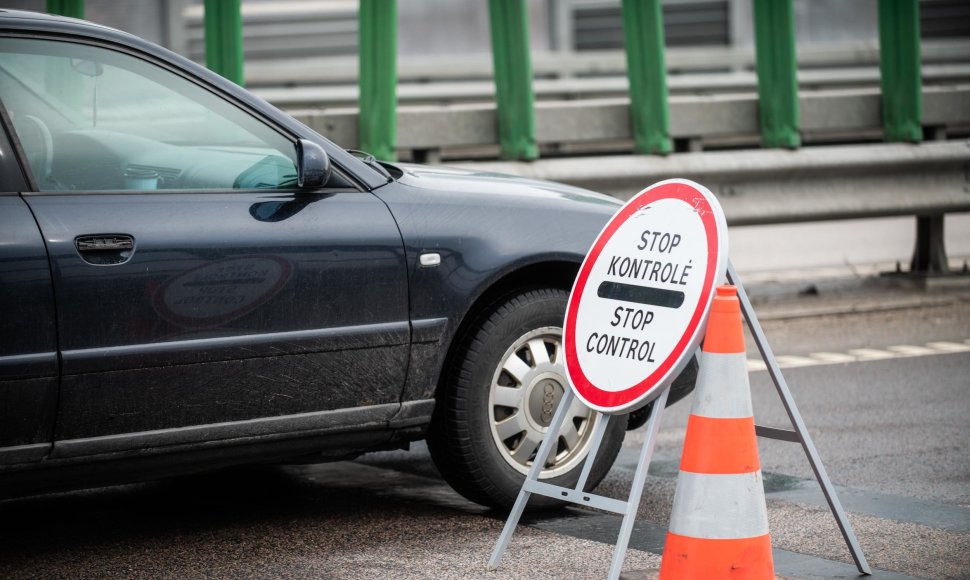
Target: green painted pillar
(377, 41)
(643, 32)
(899, 63)
(514, 98)
(223, 39)
(71, 88)
(72, 8)
(774, 27)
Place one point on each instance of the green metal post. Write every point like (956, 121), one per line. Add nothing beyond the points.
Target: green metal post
(72, 89)
(643, 32)
(72, 8)
(774, 27)
(514, 98)
(377, 121)
(899, 63)
(223, 39)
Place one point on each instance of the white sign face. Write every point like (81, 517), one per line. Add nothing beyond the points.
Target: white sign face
(639, 306)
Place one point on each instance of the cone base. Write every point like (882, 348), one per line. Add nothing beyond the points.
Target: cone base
(685, 557)
(654, 574)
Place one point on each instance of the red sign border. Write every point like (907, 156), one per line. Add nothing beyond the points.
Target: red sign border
(615, 401)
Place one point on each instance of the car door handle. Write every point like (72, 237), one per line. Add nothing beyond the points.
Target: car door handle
(105, 249)
(104, 243)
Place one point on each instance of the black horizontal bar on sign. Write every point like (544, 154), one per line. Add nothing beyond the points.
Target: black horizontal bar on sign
(641, 294)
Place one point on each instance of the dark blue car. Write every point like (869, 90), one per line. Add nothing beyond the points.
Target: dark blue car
(190, 279)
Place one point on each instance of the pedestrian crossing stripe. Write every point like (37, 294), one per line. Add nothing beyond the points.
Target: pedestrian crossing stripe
(863, 354)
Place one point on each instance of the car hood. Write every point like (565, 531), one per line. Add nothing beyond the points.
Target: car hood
(497, 185)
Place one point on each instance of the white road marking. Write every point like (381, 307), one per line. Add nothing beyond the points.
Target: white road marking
(833, 357)
(862, 354)
(871, 354)
(950, 346)
(791, 361)
(913, 350)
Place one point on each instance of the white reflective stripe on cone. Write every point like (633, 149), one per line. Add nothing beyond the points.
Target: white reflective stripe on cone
(719, 507)
(723, 391)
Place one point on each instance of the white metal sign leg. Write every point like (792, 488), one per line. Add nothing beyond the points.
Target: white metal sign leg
(639, 479)
(627, 509)
(524, 494)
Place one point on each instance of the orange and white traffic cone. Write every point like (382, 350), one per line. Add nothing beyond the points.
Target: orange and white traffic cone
(719, 523)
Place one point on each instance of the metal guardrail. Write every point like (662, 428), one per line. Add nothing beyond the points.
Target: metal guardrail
(551, 65)
(781, 186)
(598, 88)
(577, 127)
(281, 29)
(755, 186)
(776, 64)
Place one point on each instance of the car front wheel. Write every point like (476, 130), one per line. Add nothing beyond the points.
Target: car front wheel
(497, 402)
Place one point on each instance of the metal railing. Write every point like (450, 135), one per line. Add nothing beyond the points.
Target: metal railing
(450, 92)
(769, 186)
(516, 127)
(775, 59)
(729, 62)
(432, 133)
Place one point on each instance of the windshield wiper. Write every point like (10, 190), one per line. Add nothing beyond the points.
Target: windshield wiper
(371, 161)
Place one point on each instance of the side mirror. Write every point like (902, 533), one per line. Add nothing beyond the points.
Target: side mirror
(313, 165)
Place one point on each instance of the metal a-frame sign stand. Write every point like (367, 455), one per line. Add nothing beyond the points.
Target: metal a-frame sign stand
(800, 432)
(628, 509)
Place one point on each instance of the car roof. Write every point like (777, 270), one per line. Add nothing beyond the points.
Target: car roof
(41, 21)
(8, 13)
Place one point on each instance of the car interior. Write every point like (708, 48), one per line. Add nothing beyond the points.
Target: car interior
(77, 126)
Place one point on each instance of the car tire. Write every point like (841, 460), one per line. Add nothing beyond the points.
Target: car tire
(504, 383)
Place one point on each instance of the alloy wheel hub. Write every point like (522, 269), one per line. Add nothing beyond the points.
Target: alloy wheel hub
(545, 394)
(524, 395)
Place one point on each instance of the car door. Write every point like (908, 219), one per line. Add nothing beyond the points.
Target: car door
(200, 295)
(28, 342)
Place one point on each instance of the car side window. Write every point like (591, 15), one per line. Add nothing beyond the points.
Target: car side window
(93, 119)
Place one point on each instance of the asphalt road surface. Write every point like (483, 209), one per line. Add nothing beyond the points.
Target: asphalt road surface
(880, 375)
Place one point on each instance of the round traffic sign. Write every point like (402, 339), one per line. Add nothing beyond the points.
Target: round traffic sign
(639, 305)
